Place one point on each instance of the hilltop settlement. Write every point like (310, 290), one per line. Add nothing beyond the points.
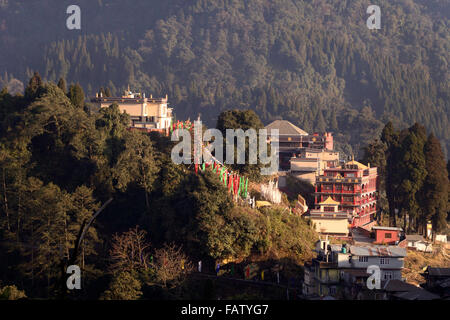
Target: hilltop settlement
(92, 184)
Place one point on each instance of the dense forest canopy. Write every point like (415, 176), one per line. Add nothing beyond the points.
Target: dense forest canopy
(59, 164)
(314, 63)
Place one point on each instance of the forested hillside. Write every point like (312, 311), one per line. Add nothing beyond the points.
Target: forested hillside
(59, 164)
(314, 63)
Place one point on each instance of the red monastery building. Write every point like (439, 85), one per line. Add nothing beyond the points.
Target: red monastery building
(354, 186)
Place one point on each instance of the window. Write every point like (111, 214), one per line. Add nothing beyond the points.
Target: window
(388, 275)
(384, 261)
(350, 175)
(388, 235)
(363, 259)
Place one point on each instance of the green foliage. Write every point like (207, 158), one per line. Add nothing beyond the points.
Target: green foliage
(436, 186)
(244, 120)
(11, 293)
(413, 175)
(124, 286)
(76, 95)
(62, 85)
(34, 86)
(314, 63)
(58, 164)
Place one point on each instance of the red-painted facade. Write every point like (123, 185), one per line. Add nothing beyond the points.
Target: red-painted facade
(386, 236)
(354, 186)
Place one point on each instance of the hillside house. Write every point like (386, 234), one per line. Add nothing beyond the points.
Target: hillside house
(336, 263)
(304, 155)
(386, 235)
(145, 113)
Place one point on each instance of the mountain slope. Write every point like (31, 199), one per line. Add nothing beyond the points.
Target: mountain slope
(314, 63)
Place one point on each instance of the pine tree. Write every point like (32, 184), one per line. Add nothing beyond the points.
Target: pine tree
(62, 85)
(435, 189)
(375, 154)
(320, 125)
(32, 90)
(390, 137)
(413, 172)
(333, 122)
(76, 95)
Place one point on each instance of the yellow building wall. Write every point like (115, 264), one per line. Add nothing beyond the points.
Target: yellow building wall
(132, 109)
(310, 177)
(154, 109)
(331, 225)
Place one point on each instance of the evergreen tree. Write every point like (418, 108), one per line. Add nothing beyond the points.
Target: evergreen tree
(124, 286)
(320, 125)
(375, 154)
(435, 188)
(390, 138)
(76, 95)
(413, 172)
(34, 85)
(62, 85)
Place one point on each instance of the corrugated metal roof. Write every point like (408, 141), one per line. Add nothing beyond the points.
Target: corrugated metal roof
(417, 295)
(378, 251)
(414, 237)
(386, 228)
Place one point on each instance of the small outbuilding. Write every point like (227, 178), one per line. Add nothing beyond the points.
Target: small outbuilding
(386, 235)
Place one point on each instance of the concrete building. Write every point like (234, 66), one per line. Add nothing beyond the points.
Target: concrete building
(145, 113)
(438, 281)
(354, 186)
(337, 263)
(386, 235)
(293, 142)
(329, 220)
(310, 163)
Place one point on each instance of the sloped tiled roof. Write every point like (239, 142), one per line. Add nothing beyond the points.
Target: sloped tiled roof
(360, 165)
(330, 201)
(399, 286)
(285, 128)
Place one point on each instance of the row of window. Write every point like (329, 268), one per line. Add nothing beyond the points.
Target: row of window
(366, 259)
(337, 188)
(346, 175)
